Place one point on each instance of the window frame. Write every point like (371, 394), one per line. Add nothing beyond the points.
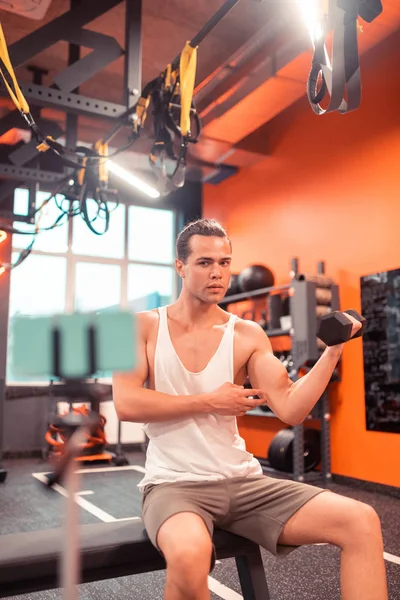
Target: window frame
(124, 262)
(73, 258)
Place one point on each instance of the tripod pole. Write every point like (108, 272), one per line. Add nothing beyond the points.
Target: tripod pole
(70, 559)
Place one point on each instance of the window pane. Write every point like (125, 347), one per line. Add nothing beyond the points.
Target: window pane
(150, 286)
(21, 201)
(151, 234)
(53, 240)
(38, 285)
(111, 243)
(97, 286)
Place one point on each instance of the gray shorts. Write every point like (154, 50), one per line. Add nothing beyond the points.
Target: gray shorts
(255, 507)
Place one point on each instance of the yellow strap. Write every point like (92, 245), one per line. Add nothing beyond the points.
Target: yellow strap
(141, 112)
(43, 147)
(187, 72)
(168, 76)
(81, 172)
(17, 97)
(102, 150)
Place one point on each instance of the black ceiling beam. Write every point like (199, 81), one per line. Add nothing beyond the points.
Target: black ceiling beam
(105, 49)
(51, 33)
(69, 102)
(12, 172)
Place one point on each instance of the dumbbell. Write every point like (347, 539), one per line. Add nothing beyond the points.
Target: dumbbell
(335, 328)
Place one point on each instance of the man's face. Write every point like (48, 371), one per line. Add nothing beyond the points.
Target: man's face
(207, 273)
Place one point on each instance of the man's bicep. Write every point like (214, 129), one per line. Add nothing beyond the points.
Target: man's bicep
(266, 372)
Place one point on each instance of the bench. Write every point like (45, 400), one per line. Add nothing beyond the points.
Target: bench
(29, 562)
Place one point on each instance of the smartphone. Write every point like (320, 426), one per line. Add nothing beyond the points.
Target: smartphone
(73, 346)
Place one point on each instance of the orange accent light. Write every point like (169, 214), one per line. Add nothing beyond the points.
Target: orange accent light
(3, 236)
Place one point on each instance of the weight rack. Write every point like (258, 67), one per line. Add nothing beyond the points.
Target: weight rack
(305, 352)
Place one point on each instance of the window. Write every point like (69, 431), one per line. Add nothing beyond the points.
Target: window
(53, 240)
(111, 243)
(97, 286)
(38, 285)
(144, 280)
(71, 268)
(151, 235)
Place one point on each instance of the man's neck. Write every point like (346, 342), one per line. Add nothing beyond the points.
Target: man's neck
(193, 313)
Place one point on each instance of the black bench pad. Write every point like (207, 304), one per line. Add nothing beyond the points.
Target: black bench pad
(29, 562)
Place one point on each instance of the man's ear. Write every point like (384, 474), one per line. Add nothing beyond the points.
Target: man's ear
(180, 268)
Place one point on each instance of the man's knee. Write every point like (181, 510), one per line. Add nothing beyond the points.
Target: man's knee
(186, 544)
(363, 523)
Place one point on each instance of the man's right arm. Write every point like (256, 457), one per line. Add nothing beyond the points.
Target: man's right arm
(137, 404)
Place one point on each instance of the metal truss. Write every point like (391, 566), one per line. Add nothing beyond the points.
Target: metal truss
(63, 94)
(70, 28)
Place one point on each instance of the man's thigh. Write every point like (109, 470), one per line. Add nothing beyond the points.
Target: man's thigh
(261, 506)
(209, 500)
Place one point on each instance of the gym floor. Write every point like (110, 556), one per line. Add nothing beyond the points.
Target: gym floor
(110, 493)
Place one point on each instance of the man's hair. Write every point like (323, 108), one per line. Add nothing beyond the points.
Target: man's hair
(206, 227)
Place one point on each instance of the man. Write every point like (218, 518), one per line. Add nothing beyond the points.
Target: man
(195, 358)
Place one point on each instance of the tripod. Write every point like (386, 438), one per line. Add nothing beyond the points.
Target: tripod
(77, 428)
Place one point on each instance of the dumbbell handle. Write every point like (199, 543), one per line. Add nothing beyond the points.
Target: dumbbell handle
(336, 328)
(353, 313)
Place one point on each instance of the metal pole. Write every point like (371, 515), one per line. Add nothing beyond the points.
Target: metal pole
(133, 52)
(209, 26)
(325, 417)
(70, 559)
(74, 54)
(298, 453)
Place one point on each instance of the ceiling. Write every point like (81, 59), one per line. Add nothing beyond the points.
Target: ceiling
(251, 67)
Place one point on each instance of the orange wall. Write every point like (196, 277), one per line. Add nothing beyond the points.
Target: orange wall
(330, 190)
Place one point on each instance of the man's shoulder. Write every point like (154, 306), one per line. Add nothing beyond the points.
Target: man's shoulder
(251, 333)
(148, 316)
(147, 319)
(247, 327)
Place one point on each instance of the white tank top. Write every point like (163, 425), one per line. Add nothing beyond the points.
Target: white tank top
(205, 446)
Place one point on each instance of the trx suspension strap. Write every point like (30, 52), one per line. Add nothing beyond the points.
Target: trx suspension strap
(341, 77)
(92, 184)
(173, 110)
(172, 96)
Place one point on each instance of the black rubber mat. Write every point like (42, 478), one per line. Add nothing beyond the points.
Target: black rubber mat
(309, 573)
